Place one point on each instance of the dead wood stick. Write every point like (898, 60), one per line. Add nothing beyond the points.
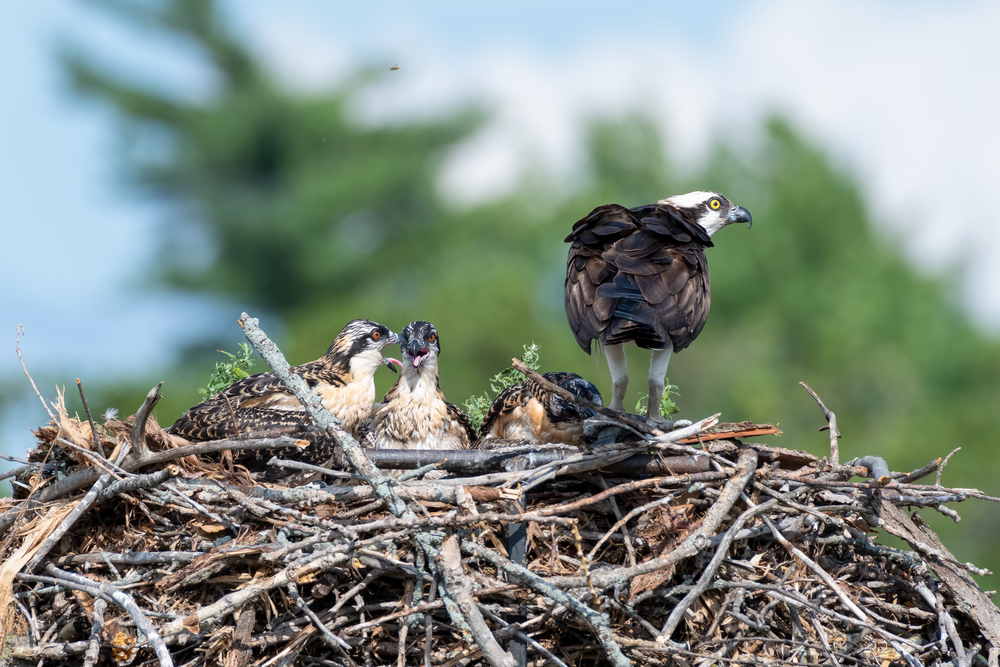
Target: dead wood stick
(67, 523)
(686, 432)
(27, 468)
(513, 628)
(184, 498)
(120, 598)
(232, 601)
(93, 653)
(98, 460)
(691, 545)
(940, 472)
(140, 558)
(331, 639)
(877, 468)
(90, 420)
(82, 478)
(314, 406)
(459, 588)
(429, 626)
(709, 573)
(53, 651)
(818, 571)
(20, 332)
(232, 414)
(620, 417)
(831, 420)
(921, 472)
(141, 416)
(301, 465)
(632, 486)
(149, 481)
(598, 621)
(623, 520)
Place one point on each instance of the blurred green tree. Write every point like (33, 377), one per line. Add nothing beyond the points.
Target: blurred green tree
(291, 205)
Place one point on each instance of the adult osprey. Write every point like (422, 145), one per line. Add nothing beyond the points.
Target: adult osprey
(344, 378)
(527, 411)
(640, 275)
(414, 413)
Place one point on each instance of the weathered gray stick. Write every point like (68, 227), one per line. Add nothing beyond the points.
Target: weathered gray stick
(139, 482)
(67, 523)
(709, 573)
(120, 598)
(691, 545)
(597, 620)
(831, 424)
(93, 653)
(314, 406)
(141, 416)
(459, 587)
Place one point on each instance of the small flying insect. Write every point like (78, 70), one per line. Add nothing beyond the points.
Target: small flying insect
(394, 68)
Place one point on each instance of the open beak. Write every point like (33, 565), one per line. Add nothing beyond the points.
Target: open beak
(416, 351)
(740, 214)
(392, 363)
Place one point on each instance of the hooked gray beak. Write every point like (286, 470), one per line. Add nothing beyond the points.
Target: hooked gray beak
(740, 214)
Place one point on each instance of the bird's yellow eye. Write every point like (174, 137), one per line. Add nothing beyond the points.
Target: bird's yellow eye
(376, 335)
(431, 338)
(714, 204)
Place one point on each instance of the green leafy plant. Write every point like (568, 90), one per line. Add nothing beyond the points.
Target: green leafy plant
(667, 406)
(477, 406)
(226, 373)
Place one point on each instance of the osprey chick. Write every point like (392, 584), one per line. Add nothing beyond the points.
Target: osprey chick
(344, 378)
(640, 275)
(526, 411)
(414, 413)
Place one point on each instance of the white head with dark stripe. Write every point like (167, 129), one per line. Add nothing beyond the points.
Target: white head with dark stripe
(358, 347)
(709, 209)
(420, 345)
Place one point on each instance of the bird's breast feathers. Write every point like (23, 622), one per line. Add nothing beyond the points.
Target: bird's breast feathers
(415, 416)
(352, 403)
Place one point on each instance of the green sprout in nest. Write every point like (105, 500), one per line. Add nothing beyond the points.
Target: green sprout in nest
(226, 373)
(477, 406)
(667, 406)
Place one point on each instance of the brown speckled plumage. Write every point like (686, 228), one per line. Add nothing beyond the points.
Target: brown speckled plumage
(343, 378)
(414, 413)
(526, 411)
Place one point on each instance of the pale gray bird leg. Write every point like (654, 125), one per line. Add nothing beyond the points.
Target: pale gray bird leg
(658, 362)
(619, 375)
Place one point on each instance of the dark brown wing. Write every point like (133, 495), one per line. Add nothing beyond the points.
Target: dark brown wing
(658, 290)
(459, 417)
(506, 402)
(586, 270)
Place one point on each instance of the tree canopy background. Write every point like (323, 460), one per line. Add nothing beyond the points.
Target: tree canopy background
(291, 208)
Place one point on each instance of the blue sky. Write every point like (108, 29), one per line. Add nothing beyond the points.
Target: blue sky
(896, 91)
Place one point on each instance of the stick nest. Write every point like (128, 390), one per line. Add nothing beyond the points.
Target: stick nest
(761, 554)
